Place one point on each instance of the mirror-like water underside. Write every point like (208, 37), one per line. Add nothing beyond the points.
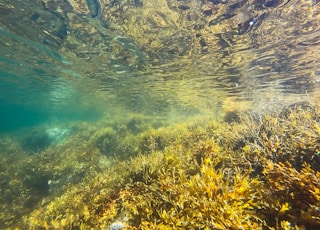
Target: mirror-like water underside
(159, 114)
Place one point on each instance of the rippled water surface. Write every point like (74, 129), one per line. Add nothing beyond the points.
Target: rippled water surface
(161, 57)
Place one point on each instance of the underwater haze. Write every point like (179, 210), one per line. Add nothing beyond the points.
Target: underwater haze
(160, 114)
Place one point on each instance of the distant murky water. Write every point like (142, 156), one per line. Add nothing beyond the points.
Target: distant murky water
(156, 57)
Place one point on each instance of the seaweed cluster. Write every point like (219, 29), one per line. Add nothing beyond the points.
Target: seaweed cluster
(260, 171)
(293, 193)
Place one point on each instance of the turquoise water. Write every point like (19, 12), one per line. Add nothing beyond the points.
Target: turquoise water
(15, 117)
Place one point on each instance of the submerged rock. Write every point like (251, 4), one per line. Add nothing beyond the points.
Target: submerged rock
(57, 135)
(94, 7)
(117, 226)
(38, 141)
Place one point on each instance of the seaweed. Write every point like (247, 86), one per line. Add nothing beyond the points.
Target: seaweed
(261, 172)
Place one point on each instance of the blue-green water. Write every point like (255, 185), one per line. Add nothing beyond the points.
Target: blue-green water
(15, 117)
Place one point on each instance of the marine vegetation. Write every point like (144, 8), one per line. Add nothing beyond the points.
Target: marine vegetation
(259, 171)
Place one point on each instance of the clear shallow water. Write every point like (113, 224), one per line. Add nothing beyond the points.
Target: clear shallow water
(163, 58)
(137, 68)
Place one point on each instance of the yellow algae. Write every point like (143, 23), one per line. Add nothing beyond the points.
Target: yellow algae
(151, 174)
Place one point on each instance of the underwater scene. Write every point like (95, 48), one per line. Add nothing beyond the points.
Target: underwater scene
(160, 114)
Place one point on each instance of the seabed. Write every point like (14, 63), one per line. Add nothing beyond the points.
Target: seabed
(246, 171)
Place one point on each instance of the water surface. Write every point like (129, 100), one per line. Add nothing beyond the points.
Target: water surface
(156, 57)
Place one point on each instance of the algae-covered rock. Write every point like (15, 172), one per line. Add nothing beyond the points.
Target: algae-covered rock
(147, 174)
